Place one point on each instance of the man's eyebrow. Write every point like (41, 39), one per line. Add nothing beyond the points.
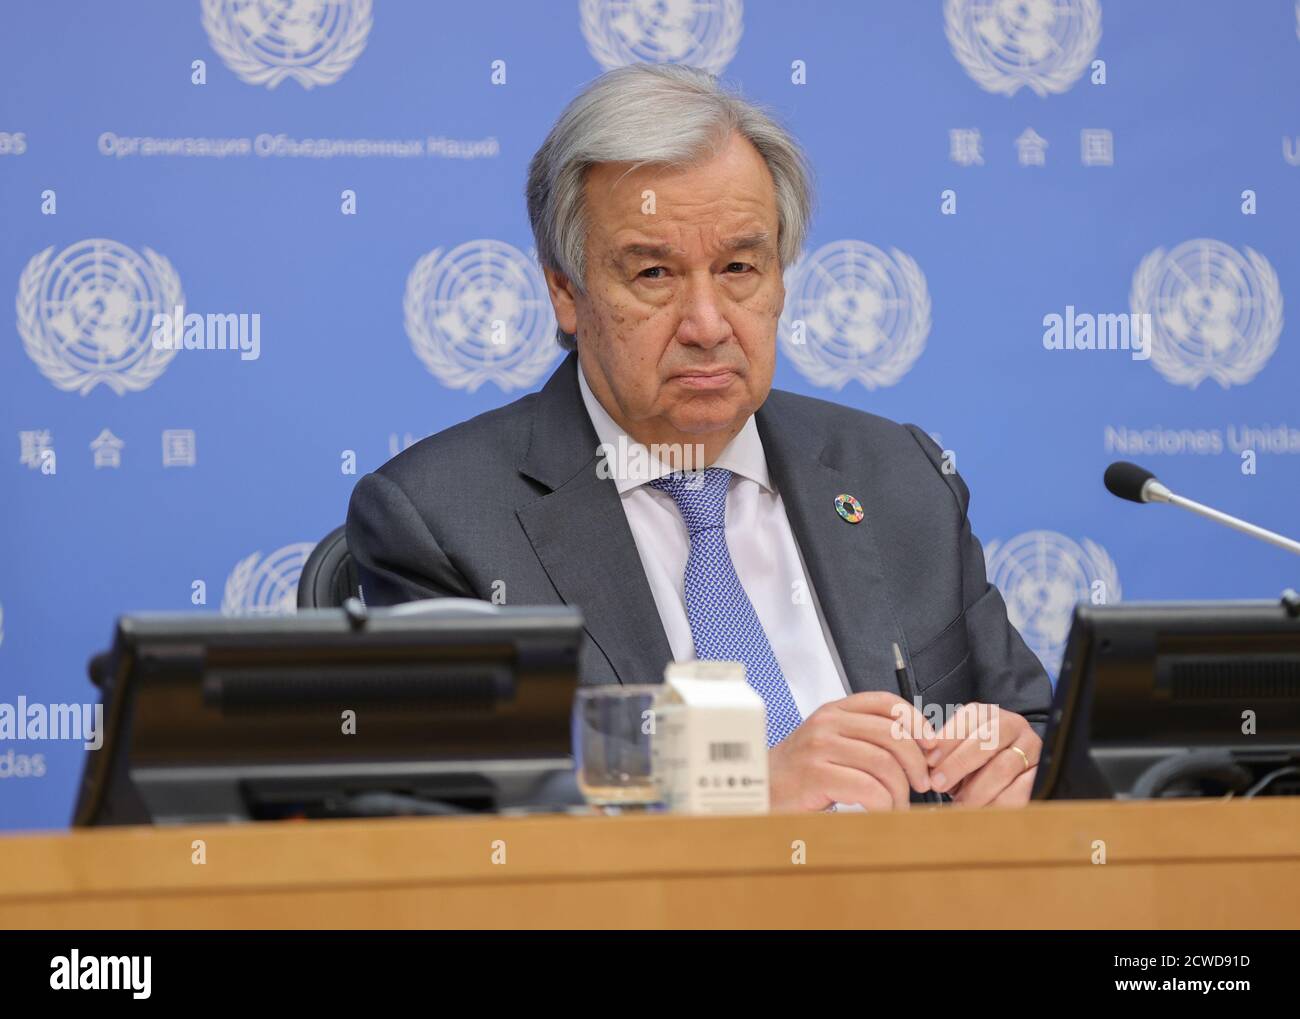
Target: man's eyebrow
(747, 242)
(645, 250)
(742, 242)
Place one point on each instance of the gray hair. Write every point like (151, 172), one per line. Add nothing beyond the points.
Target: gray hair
(652, 114)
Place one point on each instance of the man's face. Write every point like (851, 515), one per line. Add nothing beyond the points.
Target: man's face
(677, 328)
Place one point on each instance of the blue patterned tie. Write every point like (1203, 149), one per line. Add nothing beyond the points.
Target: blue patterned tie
(724, 625)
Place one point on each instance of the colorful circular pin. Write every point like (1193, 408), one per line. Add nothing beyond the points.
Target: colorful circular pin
(849, 508)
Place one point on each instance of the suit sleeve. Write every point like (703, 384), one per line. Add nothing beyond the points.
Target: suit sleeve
(1007, 673)
(398, 559)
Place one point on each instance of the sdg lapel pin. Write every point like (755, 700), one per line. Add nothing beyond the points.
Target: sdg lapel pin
(849, 508)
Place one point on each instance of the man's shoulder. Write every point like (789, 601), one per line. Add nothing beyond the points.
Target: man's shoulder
(867, 446)
(496, 437)
(784, 402)
(842, 424)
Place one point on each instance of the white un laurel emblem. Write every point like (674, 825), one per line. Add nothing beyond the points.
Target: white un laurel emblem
(266, 587)
(480, 313)
(1216, 312)
(311, 41)
(702, 33)
(86, 314)
(1005, 45)
(854, 312)
(1041, 575)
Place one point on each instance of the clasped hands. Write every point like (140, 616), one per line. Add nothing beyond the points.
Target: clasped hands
(874, 748)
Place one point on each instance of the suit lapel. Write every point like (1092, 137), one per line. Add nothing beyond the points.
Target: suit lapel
(843, 560)
(581, 535)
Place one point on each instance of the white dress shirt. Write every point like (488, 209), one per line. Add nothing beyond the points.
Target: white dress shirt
(763, 549)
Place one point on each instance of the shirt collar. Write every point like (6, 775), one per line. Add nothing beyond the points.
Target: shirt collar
(631, 465)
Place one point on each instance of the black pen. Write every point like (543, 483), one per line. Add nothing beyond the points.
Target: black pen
(909, 695)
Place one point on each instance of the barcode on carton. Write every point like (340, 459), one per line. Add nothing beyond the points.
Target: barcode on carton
(728, 751)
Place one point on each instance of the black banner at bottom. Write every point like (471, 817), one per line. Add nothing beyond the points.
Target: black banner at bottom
(889, 969)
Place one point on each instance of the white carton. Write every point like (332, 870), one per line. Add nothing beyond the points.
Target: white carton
(710, 744)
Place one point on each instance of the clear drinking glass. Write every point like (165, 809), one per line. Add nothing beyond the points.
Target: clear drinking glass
(613, 729)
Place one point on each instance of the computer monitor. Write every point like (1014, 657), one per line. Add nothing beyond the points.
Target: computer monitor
(1176, 698)
(432, 707)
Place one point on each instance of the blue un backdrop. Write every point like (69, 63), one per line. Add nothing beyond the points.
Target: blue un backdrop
(338, 184)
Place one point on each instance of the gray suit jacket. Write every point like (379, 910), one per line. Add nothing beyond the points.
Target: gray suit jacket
(513, 497)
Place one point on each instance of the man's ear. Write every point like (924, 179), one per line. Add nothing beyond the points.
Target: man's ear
(564, 298)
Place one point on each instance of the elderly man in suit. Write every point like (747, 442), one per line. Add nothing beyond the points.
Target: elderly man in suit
(659, 483)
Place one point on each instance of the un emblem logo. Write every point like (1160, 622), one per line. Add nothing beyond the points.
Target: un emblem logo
(311, 41)
(1005, 45)
(854, 312)
(266, 587)
(1042, 575)
(480, 313)
(701, 33)
(1216, 312)
(86, 315)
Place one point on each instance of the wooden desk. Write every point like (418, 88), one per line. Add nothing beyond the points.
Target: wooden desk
(1168, 865)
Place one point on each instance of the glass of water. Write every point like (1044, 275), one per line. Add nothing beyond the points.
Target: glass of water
(613, 730)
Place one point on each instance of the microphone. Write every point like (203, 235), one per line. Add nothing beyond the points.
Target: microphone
(1137, 484)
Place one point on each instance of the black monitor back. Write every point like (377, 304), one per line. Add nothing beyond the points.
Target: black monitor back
(215, 718)
(1145, 683)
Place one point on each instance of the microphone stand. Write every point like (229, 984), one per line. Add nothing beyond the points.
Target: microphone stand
(1154, 491)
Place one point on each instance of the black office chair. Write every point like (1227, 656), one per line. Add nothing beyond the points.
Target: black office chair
(329, 576)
